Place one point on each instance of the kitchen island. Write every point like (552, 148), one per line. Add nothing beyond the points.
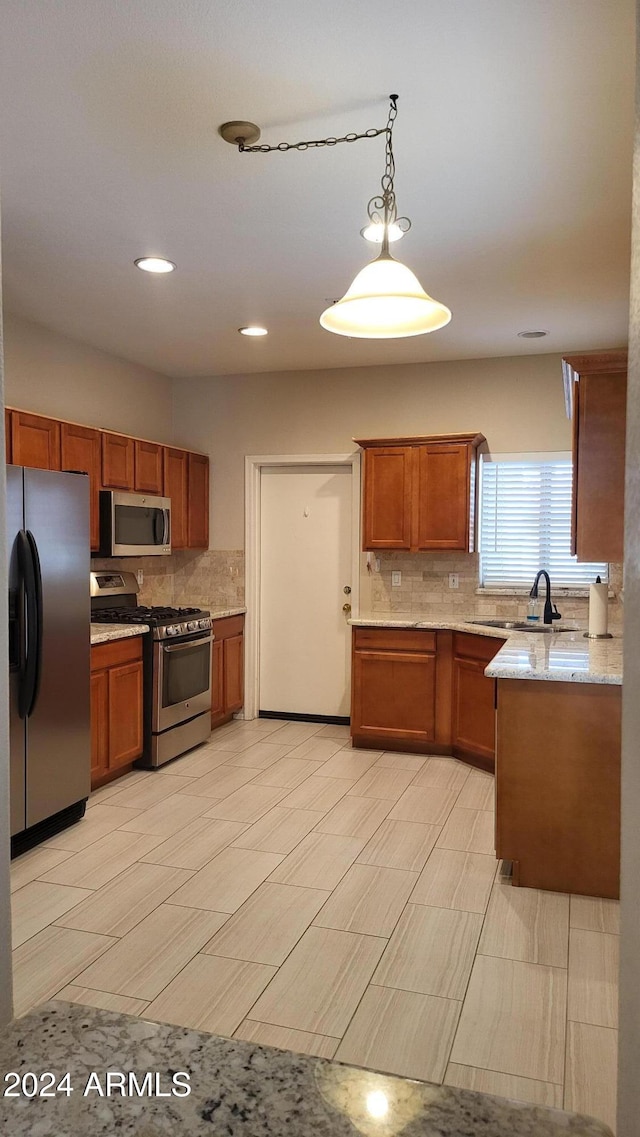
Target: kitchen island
(236, 1088)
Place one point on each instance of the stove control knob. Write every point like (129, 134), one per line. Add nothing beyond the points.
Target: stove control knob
(204, 624)
(171, 630)
(192, 626)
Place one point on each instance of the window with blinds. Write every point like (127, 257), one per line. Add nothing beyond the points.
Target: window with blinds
(525, 524)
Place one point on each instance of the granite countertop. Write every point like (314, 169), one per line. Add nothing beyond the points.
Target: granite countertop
(552, 656)
(237, 1089)
(222, 613)
(105, 633)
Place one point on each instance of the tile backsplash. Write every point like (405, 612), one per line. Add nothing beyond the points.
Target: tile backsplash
(424, 590)
(213, 578)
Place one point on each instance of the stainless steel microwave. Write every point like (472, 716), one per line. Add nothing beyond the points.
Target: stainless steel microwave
(134, 525)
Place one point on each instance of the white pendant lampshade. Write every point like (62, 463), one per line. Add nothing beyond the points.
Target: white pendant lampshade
(385, 301)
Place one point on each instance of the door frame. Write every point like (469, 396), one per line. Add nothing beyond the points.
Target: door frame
(253, 467)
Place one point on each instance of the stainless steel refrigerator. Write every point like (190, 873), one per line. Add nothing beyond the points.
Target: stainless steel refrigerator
(49, 644)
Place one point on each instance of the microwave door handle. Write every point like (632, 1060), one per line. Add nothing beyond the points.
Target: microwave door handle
(166, 533)
(158, 533)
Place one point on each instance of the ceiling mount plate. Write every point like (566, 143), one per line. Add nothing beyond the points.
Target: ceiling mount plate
(239, 131)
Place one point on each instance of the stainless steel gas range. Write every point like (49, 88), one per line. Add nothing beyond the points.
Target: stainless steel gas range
(177, 665)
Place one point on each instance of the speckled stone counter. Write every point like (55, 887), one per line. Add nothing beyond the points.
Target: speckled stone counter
(105, 633)
(565, 657)
(238, 1089)
(222, 613)
(443, 624)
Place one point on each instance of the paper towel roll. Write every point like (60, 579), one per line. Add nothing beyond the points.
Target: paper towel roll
(598, 609)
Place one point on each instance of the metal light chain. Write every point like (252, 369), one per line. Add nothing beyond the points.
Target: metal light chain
(262, 148)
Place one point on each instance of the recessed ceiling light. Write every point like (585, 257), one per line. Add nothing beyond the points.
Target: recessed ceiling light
(154, 264)
(253, 330)
(532, 335)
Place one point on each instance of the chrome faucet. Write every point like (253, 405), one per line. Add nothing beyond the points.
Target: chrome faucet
(550, 611)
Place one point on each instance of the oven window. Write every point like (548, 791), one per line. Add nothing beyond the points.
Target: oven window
(186, 672)
(136, 525)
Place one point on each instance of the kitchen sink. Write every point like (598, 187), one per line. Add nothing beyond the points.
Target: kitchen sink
(522, 626)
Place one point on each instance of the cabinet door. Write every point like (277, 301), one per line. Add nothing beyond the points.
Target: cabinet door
(598, 467)
(198, 512)
(394, 695)
(388, 475)
(99, 724)
(176, 473)
(442, 503)
(125, 714)
(233, 674)
(80, 451)
(148, 476)
(117, 461)
(473, 710)
(217, 679)
(35, 441)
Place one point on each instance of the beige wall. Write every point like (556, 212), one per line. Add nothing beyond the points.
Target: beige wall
(54, 375)
(5, 909)
(516, 402)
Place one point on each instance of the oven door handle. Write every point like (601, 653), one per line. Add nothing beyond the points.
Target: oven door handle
(170, 648)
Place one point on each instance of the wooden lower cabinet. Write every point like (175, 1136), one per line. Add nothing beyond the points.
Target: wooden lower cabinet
(227, 679)
(473, 726)
(116, 708)
(558, 785)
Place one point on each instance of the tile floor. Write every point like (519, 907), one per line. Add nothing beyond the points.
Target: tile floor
(278, 886)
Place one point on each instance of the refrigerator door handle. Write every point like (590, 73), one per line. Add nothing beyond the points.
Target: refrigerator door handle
(37, 572)
(29, 567)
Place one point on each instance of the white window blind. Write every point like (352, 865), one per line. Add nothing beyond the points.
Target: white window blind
(525, 524)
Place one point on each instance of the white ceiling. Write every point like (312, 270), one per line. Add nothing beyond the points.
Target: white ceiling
(513, 150)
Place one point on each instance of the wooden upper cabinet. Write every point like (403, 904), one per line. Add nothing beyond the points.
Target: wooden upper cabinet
(419, 493)
(596, 389)
(198, 498)
(81, 452)
(35, 441)
(148, 467)
(176, 481)
(117, 461)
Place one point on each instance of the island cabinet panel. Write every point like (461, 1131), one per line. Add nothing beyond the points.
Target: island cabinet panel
(116, 708)
(227, 680)
(473, 699)
(81, 452)
(198, 502)
(388, 481)
(176, 474)
(148, 467)
(558, 785)
(117, 461)
(35, 441)
(443, 497)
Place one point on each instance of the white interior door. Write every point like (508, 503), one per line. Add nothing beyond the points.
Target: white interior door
(305, 563)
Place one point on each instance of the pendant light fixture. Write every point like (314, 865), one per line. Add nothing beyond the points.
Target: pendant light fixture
(386, 299)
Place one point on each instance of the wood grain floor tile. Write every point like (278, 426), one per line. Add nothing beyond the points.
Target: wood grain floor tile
(319, 986)
(268, 925)
(220, 783)
(318, 793)
(428, 805)
(594, 914)
(150, 791)
(115, 909)
(469, 831)
(431, 952)
(247, 804)
(350, 764)
(96, 823)
(316, 748)
(527, 924)
(445, 772)
(96, 865)
(592, 1071)
(400, 845)
(33, 864)
(50, 960)
(283, 1038)
(400, 1032)
(354, 817)
(319, 861)
(211, 994)
(260, 755)
(335, 730)
(151, 955)
(169, 816)
(513, 1019)
(127, 781)
(593, 977)
(104, 1000)
(293, 733)
(287, 773)
(392, 761)
(503, 1085)
(478, 793)
(280, 830)
(368, 900)
(451, 879)
(196, 844)
(197, 763)
(227, 881)
(38, 904)
(381, 783)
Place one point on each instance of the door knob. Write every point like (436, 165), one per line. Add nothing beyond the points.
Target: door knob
(347, 590)
(346, 607)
